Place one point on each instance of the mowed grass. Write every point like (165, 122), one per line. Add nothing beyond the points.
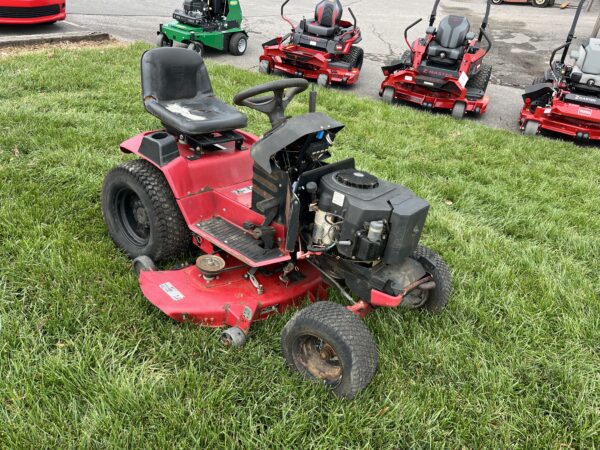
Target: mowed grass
(86, 361)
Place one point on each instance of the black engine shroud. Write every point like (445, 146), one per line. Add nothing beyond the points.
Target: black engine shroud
(359, 198)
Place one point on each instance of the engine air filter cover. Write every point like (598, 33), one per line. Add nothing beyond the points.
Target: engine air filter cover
(357, 179)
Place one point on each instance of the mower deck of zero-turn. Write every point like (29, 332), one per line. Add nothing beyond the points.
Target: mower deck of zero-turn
(566, 100)
(444, 70)
(323, 49)
(206, 23)
(274, 223)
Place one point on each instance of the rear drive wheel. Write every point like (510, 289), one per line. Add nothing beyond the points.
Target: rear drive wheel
(388, 95)
(458, 112)
(238, 44)
(196, 47)
(329, 343)
(141, 213)
(163, 41)
(265, 67)
(323, 80)
(438, 297)
(355, 57)
(480, 81)
(532, 128)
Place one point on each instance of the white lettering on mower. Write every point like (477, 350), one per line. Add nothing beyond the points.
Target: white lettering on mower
(172, 291)
(242, 191)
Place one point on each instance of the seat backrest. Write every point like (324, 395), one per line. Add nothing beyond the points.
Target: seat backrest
(328, 13)
(170, 74)
(453, 31)
(589, 60)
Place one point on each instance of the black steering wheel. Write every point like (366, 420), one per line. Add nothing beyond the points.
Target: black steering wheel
(274, 105)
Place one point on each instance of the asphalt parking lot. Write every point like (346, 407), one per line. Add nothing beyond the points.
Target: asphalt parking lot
(523, 36)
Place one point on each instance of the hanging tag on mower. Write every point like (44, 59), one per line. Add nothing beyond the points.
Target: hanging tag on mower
(463, 79)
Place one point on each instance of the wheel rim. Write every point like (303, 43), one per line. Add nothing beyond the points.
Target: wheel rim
(318, 358)
(132, 217)
(242, 44)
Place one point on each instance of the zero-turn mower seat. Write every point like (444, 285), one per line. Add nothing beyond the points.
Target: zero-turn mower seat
(586, 69)
(449, 44)
(328, 14)
(176, 89)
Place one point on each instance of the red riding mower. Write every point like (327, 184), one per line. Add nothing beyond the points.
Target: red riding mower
(566, 99)
(274, 222)
(322, 49)
(444, 70)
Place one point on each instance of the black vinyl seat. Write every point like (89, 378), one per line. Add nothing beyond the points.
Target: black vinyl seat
(448, 47)
(328, 14)
(176, 89)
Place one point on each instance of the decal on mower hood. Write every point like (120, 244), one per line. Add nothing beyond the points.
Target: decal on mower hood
(172, 291)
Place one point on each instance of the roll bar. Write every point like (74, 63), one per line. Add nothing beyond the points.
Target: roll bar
(283, 15)
(571, 35)
(485, 21)
(434, 13)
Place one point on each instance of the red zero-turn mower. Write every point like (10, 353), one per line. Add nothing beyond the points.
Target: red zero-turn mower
(566, 99)
(444, 70)
(275, 224)
(323, 49)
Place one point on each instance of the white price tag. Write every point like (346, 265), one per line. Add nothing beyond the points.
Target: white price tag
(463, 79)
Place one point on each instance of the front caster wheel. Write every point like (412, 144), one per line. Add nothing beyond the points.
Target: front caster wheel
(532, 128)
(458, 112)
(434, 300)
(196, 47)
(326, 342)
(141, 213)
(233, 337)
(163, 41)
(323, 80)
(388, 95)
(265, 67)
(143, 264)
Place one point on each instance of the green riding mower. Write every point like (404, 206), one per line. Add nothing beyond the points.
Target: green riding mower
(206, 23)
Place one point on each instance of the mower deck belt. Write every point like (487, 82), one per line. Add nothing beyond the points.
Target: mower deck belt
(583, 100)
(237, 239)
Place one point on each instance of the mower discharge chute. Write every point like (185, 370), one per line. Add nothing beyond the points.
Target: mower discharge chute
(206, 23)
(323, 49)
(274, 221)
(443, 70)
(566, 100)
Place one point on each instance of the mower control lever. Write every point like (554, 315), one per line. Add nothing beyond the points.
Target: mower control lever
(274, 105)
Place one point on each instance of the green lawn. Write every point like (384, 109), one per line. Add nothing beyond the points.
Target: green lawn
(85, 361)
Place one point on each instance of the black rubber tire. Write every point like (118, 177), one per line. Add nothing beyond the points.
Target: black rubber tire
(438, 297)
(323, 81)
(235, 44)
(163, 41)
(459, 110)
(531, 128)
(355, 57)
(265, 67)
(497, 2)
(540, 4)
(167, 233)
(143, 264)
(482, 79)
(388, 95)
(345, 332)
(196, 47)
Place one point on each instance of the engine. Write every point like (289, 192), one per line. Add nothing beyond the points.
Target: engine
(196, 8)
(367, 219)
